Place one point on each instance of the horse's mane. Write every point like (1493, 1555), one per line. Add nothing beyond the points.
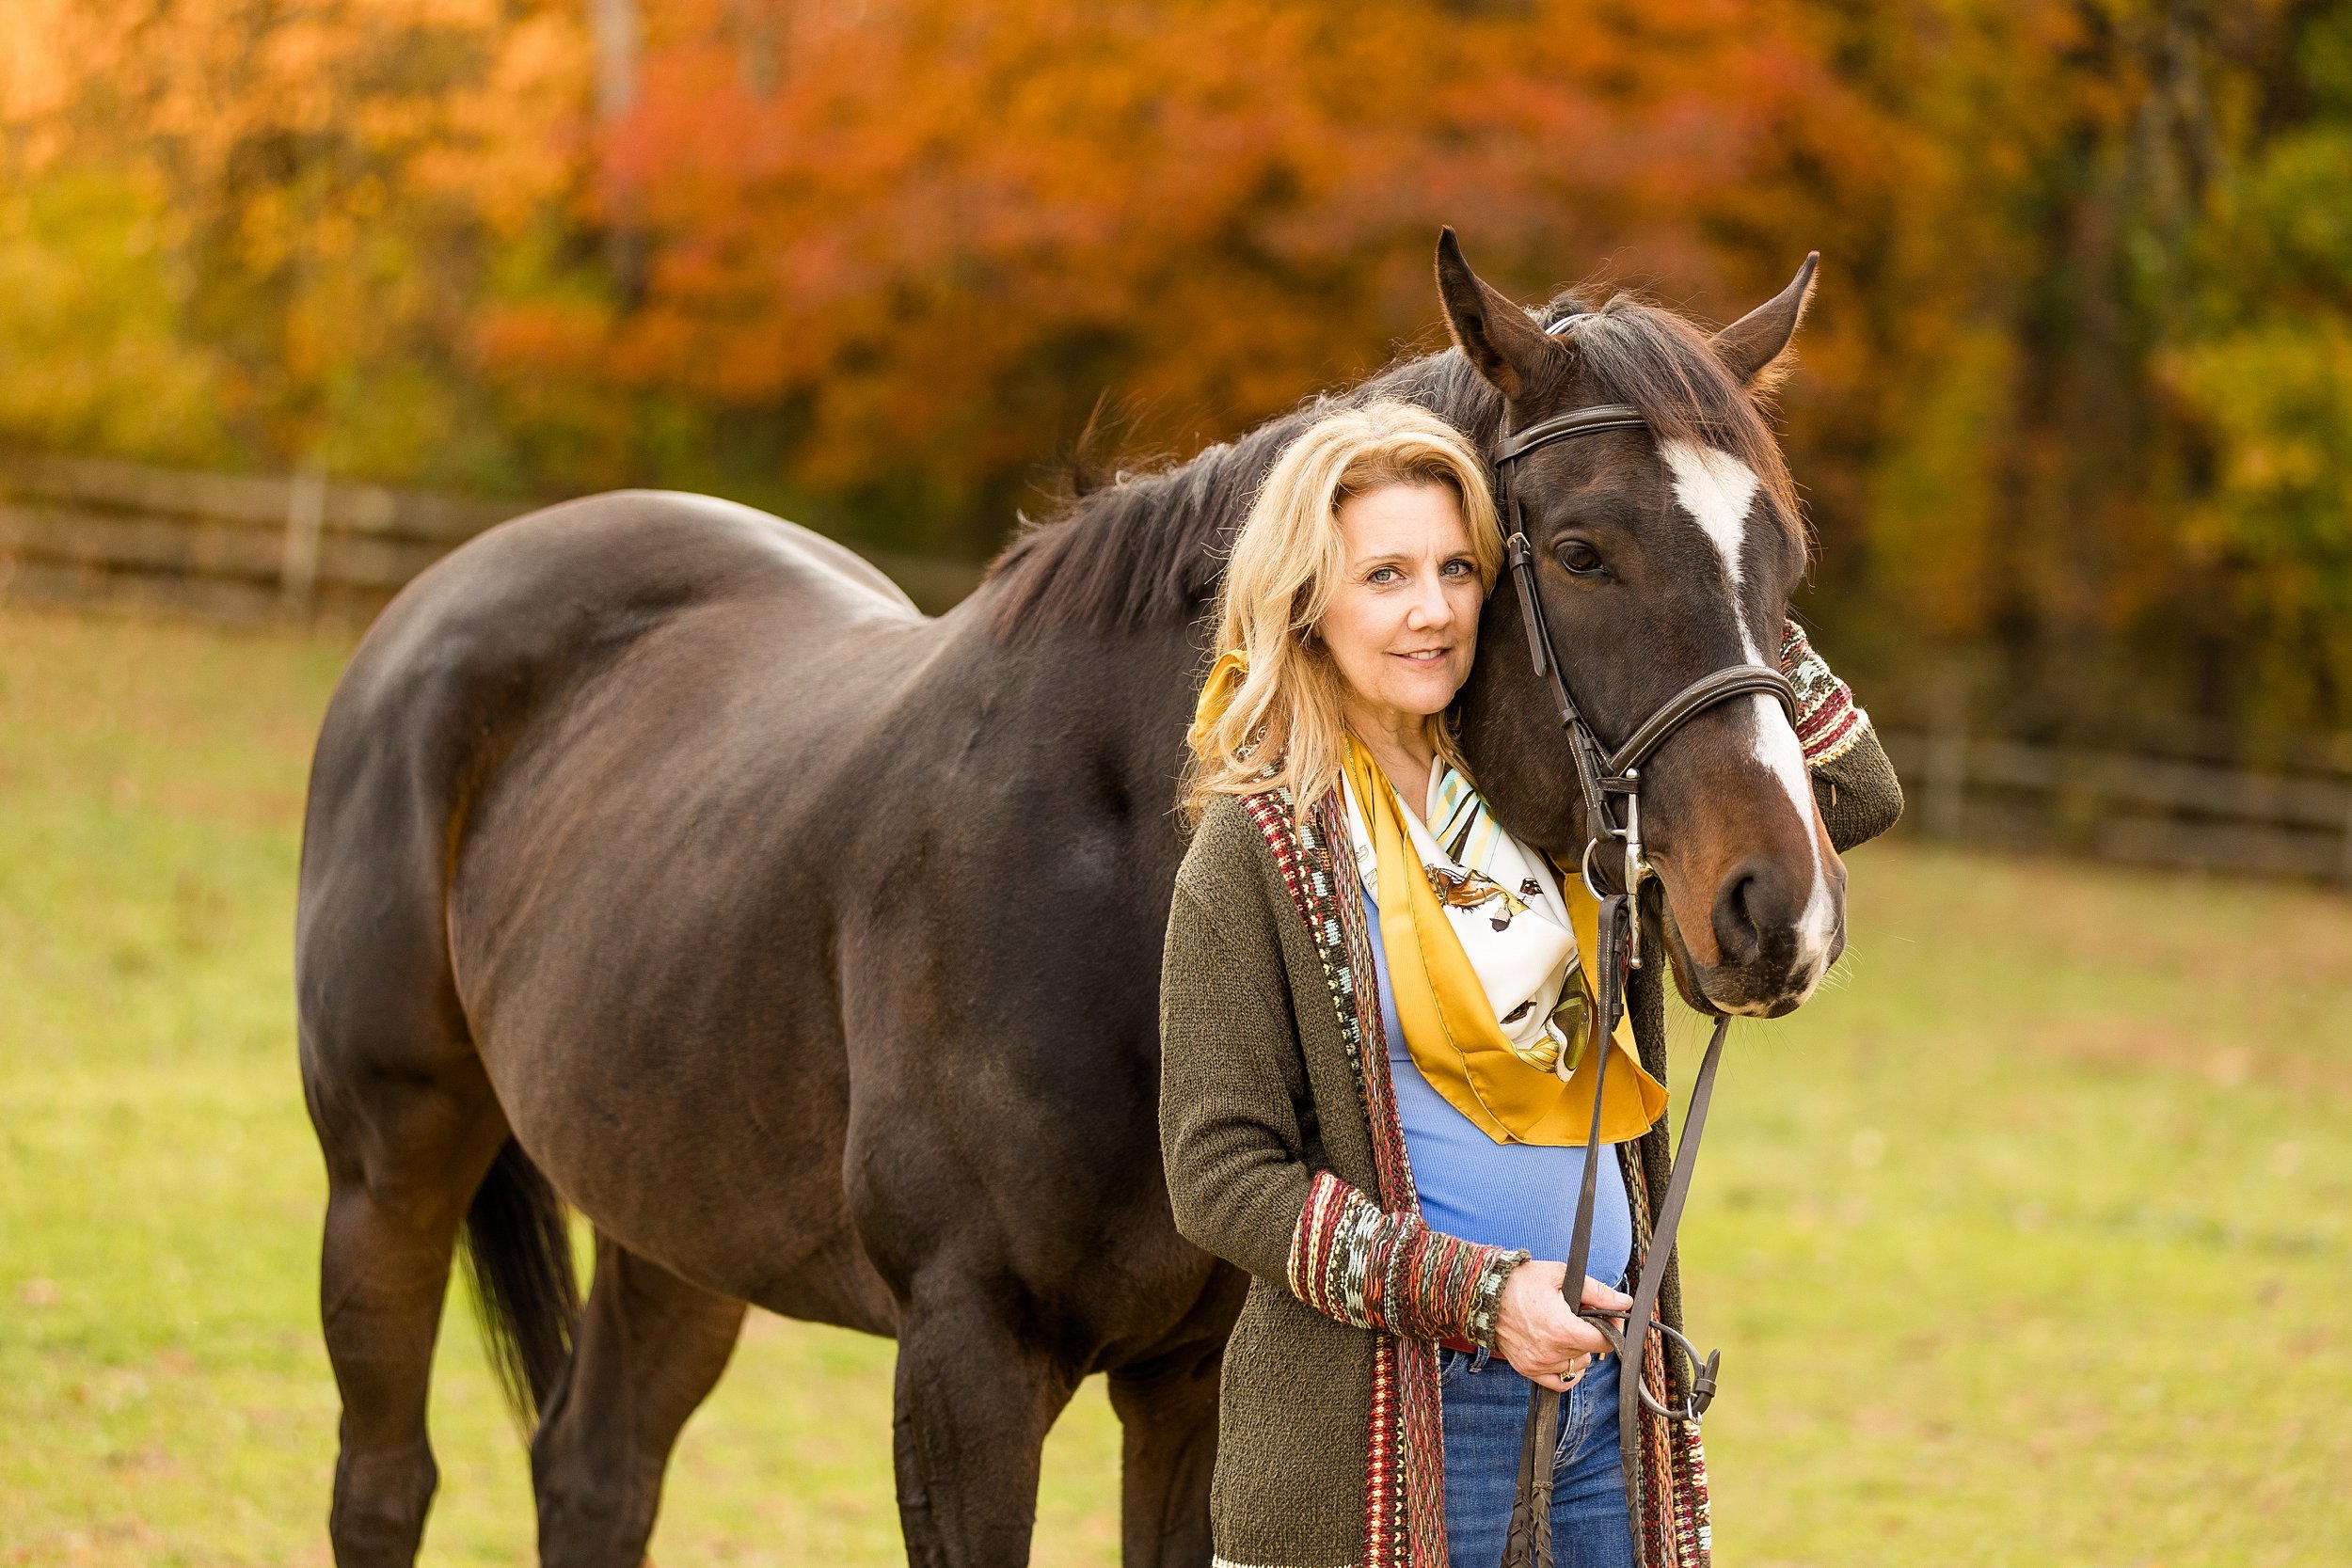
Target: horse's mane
(1150, 547)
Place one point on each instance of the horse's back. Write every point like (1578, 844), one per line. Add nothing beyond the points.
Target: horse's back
(561, 716)
(521, 621)
(589, 573)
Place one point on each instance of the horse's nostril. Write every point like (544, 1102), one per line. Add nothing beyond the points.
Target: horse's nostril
(1738, 934)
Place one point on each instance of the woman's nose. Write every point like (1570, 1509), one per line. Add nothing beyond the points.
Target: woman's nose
(1431, 611)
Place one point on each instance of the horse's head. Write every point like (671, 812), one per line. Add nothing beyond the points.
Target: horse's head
(1661, 555)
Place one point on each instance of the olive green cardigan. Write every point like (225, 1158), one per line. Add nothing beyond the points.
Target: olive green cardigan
(1273, 1163)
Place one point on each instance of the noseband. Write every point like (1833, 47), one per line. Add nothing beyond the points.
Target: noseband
(1604, 776)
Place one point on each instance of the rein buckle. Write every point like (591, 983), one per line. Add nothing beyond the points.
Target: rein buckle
(1703, 1373)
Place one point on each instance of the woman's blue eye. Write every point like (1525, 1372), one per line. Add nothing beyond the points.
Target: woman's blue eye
(1458, 568)
(1384, 573)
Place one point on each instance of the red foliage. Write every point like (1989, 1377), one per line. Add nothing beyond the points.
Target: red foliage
(948, 228)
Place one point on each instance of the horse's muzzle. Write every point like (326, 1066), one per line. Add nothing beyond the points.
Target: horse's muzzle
(1774, 934)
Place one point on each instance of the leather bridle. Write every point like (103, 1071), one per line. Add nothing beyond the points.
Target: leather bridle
(1603, 777)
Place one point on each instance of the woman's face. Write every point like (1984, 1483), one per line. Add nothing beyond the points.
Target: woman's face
(1402, 619)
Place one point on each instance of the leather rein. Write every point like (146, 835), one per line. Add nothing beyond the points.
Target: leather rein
(1606, 778)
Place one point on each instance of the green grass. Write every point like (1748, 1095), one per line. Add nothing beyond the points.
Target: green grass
(2031, 1242)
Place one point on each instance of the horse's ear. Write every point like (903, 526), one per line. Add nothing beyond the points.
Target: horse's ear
(1507, 348)
(1748, 347)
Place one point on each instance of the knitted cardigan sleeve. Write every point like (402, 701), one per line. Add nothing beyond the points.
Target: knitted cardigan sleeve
(1232, 1082)
(1353, 1260)
(1853, 782)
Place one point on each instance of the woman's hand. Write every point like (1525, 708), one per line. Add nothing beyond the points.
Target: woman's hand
(1540, 1335)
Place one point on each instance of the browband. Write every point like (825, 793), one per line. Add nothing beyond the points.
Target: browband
(1577, 421)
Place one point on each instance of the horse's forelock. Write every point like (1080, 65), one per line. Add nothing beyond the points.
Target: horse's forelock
(1653, 359)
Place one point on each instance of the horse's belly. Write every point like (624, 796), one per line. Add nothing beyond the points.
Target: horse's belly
(709, 1144)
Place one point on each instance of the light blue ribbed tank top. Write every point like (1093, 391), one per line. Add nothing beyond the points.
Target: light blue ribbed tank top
(1501, 1194)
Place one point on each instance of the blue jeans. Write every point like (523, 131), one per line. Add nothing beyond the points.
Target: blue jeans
(1485, 1418)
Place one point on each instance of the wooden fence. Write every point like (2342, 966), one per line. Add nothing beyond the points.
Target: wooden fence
(2128, 806)
(231, 548)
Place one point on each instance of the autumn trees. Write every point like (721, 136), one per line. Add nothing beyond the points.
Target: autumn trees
(2075, 419)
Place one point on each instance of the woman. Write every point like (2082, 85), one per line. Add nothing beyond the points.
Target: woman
(1347, 623)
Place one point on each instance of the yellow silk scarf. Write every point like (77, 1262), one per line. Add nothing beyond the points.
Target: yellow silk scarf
(1449, 1022)
(1217, 694)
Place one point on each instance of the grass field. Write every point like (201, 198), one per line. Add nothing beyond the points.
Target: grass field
(2028, 1244)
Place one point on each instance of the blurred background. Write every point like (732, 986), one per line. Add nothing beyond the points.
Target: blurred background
(2075, 415)
(2028, 1244)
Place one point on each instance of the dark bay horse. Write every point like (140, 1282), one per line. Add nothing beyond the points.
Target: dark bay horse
(663, 863)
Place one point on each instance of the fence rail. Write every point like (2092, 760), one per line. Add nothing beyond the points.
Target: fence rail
(89, 530)
(2124, 806)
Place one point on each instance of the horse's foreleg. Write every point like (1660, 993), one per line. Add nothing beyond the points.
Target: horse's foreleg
(1168, 1409)
(650, 1348)
(974, 1404)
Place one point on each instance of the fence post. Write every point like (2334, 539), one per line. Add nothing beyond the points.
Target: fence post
(306, 512)
(1948, 762)
(620, 38)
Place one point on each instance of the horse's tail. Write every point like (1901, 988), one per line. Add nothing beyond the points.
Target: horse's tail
(519, 1250)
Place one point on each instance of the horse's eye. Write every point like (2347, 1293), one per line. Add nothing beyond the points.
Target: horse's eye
(1579, 557)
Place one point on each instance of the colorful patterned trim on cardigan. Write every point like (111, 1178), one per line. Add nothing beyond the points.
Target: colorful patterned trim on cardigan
(1405, 1445)
(1353, 1261)
(1828, 724)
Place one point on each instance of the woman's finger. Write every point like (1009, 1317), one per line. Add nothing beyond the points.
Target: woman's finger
(1567, 1378)
(1577, 1338)
(1604, 1297)
(1583, 1338)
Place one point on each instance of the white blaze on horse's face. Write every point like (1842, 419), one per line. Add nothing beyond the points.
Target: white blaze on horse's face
(1718, 492)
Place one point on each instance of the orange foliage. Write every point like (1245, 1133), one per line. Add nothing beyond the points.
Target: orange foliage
(331, 177)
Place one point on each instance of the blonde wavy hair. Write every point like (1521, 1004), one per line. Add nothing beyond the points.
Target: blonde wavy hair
(1273, 693)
